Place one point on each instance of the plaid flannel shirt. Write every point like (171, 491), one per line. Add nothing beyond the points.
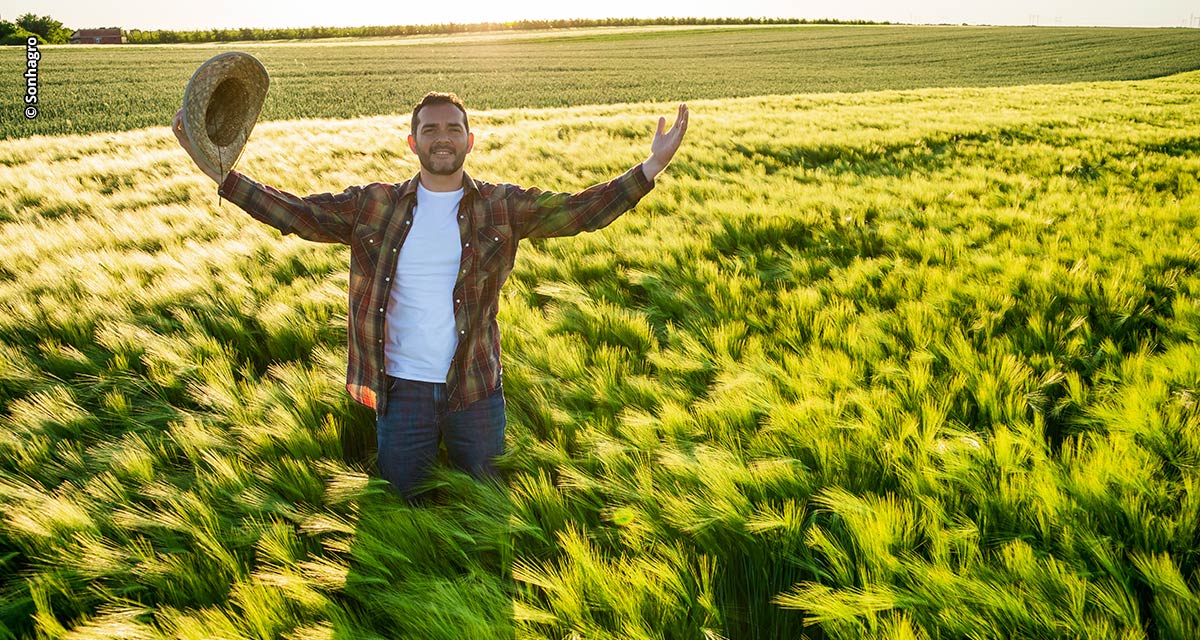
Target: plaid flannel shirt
(374, 220)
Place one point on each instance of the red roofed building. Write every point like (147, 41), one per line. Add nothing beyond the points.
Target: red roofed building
(98, 36)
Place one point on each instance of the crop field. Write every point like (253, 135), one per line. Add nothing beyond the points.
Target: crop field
(915, 363)
(87, 89)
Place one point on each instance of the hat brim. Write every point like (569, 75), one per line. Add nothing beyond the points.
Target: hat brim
(221, 105)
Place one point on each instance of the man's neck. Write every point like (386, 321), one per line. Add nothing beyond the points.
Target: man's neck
(435, 182)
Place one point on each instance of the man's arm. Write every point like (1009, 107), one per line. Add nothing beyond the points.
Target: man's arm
(325, 217)
(321, 218)
(542, 214)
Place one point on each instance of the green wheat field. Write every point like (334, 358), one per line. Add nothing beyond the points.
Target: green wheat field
(904, 363)
(89, 89)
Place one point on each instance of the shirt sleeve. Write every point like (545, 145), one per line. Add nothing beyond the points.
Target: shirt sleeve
(323, 217)
(547, 214)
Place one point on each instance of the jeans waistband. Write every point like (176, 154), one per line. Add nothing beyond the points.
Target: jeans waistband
(435, 389)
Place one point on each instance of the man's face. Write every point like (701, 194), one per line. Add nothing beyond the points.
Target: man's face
(441, 142)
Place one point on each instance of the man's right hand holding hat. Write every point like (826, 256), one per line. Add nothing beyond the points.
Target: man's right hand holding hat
(177, 128)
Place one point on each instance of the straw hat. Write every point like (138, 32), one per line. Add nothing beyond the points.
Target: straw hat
(221, 105)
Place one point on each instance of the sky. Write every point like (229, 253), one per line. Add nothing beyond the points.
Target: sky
(160, 14)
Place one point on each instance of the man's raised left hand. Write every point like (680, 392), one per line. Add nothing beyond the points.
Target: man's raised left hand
(665, 144)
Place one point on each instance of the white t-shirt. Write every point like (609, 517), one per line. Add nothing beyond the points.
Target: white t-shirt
(420, 318)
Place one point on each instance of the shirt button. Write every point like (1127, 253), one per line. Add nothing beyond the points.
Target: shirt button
(387, 279)
(371, 241)
(497, 239)
(381, 310)
(408, 222)
(462, 332)
(457, 300)
(394, 250)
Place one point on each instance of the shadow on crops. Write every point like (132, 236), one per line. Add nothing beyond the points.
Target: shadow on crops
(438, 570)
(745, 582)
(773, 241)
(1177, 147)
(886, 160)
(882, 159)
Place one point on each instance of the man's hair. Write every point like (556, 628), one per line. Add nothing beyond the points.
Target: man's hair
(434, 97)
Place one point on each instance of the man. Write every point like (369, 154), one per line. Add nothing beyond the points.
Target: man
(427, 259)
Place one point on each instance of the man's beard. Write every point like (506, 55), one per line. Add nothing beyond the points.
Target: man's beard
(441, 165)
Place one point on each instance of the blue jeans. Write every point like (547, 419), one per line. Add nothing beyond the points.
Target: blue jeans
(418, 417)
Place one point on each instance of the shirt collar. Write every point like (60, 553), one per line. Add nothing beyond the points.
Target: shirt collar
(406, 189)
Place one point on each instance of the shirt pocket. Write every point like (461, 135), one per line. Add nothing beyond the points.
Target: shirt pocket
(365, 245)
(495, 247)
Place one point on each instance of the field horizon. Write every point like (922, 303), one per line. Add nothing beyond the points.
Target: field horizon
(914, 363)
(95, 89)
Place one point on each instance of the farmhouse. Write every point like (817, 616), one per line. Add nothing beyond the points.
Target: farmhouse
(98, 36)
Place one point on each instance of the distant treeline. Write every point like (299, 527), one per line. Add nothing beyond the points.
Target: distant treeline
(137, 36)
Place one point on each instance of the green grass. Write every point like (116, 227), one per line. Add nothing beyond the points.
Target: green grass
(907, 364)
(94, 89)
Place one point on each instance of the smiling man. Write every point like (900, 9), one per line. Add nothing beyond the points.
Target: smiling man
(427, 259)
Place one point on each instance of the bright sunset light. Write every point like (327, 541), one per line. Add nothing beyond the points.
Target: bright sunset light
(153, 14)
